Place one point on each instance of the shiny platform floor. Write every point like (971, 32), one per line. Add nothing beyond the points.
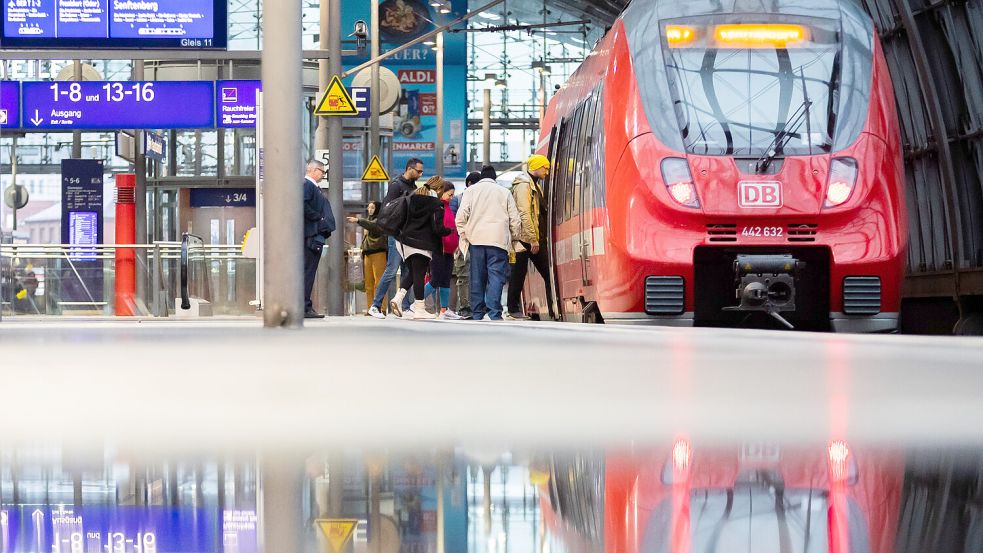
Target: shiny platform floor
(362, 382)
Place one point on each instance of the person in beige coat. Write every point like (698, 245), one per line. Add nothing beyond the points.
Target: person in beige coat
(488, 222)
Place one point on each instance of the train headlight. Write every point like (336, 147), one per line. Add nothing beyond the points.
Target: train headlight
(842, 179)
(679, 182)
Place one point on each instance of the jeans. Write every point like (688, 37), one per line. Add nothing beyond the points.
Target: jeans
(489, 273)
(393, 262)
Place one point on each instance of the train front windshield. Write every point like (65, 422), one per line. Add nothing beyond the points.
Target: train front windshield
(743, 89)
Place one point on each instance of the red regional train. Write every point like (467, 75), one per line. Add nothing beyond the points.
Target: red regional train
(727, 163)
(757, 498)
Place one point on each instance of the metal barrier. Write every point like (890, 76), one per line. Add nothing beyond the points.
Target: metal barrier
(57, 266)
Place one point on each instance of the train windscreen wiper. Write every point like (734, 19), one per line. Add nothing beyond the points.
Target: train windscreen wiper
(783, 136)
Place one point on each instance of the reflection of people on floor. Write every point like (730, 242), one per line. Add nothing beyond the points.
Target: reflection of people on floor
(413, 512)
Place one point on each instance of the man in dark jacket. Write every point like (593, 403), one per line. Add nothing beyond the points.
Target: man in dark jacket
(403, 185)
(318, 225)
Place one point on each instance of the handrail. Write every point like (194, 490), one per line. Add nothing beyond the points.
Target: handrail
(186, 239)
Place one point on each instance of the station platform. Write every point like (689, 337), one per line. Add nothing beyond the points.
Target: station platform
(361, 382)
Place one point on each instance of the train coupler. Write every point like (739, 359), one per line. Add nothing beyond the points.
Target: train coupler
(766, 283)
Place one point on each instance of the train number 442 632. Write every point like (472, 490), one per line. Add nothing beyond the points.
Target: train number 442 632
(762, 232)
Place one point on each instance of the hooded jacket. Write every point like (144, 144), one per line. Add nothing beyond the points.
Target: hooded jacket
(374, 241)
(529, 201)
(424, 227)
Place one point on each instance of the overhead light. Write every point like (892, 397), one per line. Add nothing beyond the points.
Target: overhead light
(500, 83)
(435, 3)
(489, 15)
(490, 80)
(541, 66)
(444, 8)
(430, 42)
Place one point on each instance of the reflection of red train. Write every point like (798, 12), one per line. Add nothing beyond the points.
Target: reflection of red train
(712, 167)
(754, 499)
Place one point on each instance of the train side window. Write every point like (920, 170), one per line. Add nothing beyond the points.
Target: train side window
(583, 157)
(559, 180)
(599, 152)
(573, 162)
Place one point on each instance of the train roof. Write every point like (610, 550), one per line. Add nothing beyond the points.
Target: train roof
(667, 9)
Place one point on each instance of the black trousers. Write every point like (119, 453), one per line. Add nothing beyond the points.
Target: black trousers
(311, 259)
(416, 277)
(541, 262)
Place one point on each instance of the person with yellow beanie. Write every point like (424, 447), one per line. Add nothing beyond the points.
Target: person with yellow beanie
(527, 189)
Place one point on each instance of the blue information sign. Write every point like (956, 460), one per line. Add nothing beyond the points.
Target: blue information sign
(235, 103)
(223, 197)
(9, 104)
(154, 146)
(196, 24)
(81, 225)
(108, 529)
(52, 105)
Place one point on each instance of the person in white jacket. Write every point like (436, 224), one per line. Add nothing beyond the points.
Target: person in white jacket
(488, 222)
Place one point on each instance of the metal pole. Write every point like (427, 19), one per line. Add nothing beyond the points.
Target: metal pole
(487, 511)
(13, 177)
(441, 512)
(140, 168)
(440, 106)
(281, 486)
(77, 135)
(486, 128)
(321, 283)
(374, 93)
(336, 243)
(283, 240)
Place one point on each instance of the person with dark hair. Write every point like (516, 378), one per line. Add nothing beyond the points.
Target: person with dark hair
(460, 299)
(319, 223)
(442, 262)
(403, 185)
(418, 240)
(373, 249)
(487, 221)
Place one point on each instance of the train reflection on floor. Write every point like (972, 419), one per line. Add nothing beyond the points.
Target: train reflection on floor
(681, 497)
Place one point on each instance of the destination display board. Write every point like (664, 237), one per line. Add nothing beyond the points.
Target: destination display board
(198, 24)
(53, 105)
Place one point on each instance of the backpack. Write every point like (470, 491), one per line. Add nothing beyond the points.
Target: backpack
(392, 215)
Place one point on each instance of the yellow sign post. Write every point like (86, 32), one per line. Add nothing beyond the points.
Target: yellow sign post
(375, 172)
(337, 532)
(336, 100)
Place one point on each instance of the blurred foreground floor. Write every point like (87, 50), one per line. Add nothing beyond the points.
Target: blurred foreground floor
(362, 382)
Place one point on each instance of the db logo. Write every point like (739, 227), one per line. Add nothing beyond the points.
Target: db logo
(760, 194)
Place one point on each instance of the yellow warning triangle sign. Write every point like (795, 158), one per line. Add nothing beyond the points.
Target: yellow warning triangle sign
(337, 531)
(375, 172)
(336, 100)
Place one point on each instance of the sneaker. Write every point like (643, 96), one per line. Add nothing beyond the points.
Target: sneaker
(374, 312)
(449, 315)
(419, 311)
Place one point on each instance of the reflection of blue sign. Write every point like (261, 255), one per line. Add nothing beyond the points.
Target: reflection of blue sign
(235, 103)
(81, 224)
(118, 105)
(114, 23)
(223, 197)
(154, 146)
(9, 104)
(99, 529)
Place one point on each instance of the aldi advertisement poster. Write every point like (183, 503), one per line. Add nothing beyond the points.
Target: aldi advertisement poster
(415, 132)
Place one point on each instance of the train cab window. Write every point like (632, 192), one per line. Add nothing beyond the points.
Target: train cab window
(735, 91)
(572, 162)
(597, 185)
(583, 160)
(560, 172)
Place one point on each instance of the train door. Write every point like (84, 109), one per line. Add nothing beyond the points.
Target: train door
(583, 198)
(551, 203)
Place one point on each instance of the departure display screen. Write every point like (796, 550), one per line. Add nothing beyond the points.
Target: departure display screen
(197, 24)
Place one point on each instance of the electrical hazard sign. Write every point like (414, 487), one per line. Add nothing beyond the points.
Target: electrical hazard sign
(375, 172)
(336, 100)
(337, 532)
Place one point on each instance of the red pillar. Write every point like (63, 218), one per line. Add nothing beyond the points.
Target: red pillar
(126, 278)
